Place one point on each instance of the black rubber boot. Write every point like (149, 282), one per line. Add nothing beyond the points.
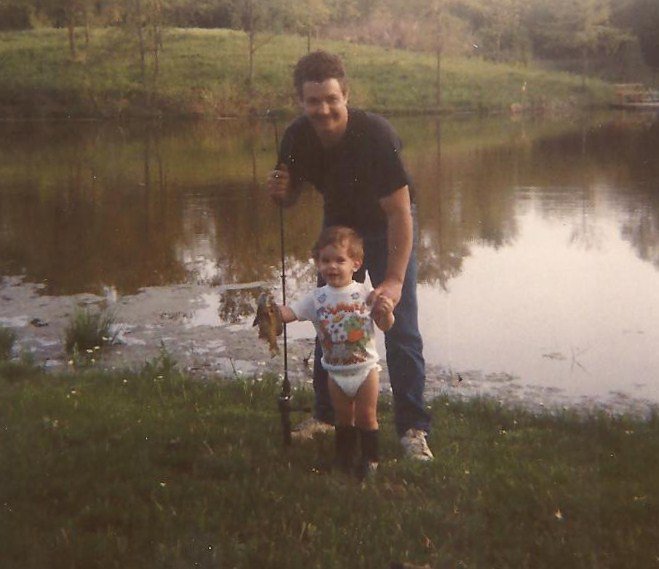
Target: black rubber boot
(346, 442)
(368, 464)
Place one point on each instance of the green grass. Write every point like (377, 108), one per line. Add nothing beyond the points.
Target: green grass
(203, 72)
(152, 469)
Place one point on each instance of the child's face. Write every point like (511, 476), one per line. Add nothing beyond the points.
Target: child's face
(336, 266)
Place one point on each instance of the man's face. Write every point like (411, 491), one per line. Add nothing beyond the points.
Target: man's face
(326, 105)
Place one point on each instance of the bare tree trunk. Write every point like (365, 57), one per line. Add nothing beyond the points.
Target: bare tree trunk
(142, 47)
(157, 46)
(438, 80)
(140, 38)
(71, 28)
(584, 66)
(438, 139)
(252, 49)
(156, 68)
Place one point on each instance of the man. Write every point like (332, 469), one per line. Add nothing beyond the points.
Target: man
(352, 158)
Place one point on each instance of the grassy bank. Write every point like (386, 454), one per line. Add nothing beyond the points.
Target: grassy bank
(150, 469)
(203, 72)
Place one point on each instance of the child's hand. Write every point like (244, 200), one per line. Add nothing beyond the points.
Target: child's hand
(383, 312)
(383, 305)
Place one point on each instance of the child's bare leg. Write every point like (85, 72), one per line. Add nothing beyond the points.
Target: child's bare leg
(366, 402)
(344, 406)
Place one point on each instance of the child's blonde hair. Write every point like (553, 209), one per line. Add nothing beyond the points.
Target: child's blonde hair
(338, 235)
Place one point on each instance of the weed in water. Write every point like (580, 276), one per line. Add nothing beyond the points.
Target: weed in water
(7, 341)
(164, 365)
(88, 330)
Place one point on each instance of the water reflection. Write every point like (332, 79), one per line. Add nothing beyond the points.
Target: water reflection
(539, 239)
(98, 204)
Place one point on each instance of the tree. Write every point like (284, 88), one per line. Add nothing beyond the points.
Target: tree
(505, 30)
(197, 13)
(351, 11)
(308, 16)
(254, 17)
(499, 25)
(69, 14)
(15, 15)
(144, 18)
(578, 28)
(643, 18)
(437, 18)
(594, 30)
(431, 26)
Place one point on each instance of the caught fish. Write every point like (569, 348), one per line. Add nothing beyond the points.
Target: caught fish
(268, 319)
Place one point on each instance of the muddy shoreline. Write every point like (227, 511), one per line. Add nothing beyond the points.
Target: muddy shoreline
(207, 330)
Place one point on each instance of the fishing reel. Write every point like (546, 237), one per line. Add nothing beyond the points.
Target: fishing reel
(284, 403)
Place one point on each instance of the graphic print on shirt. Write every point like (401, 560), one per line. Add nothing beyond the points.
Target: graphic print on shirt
(344, 330)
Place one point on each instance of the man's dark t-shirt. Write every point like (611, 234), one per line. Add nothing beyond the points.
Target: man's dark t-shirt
(353, 175)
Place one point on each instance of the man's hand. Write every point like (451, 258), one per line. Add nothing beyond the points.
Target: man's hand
(388, 288)
(279, 184)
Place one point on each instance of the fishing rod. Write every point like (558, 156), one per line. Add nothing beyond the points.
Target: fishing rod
(284, 399)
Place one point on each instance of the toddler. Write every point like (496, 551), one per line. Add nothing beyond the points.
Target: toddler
(344, 312)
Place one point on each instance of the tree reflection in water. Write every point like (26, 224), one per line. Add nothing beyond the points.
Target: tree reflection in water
(535, 235)
(85, 205)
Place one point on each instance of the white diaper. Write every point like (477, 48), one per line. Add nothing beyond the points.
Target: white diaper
(351, 380)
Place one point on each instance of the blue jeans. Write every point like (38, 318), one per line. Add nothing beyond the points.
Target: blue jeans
(403, 344)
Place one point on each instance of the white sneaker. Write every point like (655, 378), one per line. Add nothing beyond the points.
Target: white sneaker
(309, 428)
(415, 445)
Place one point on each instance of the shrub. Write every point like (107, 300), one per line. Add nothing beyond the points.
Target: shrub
(164, 365)
(88, 330)
(7, 341)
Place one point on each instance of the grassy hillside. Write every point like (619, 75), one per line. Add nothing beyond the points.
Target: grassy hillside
(204, 72)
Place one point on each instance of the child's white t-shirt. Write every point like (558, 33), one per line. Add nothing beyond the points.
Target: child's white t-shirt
(343, 323)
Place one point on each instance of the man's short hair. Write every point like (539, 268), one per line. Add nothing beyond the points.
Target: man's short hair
(318, 66)
(340, 236)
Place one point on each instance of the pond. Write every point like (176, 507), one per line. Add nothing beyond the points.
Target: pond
(539, 238)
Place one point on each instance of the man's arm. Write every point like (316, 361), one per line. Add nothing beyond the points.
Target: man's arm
(398, 210)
